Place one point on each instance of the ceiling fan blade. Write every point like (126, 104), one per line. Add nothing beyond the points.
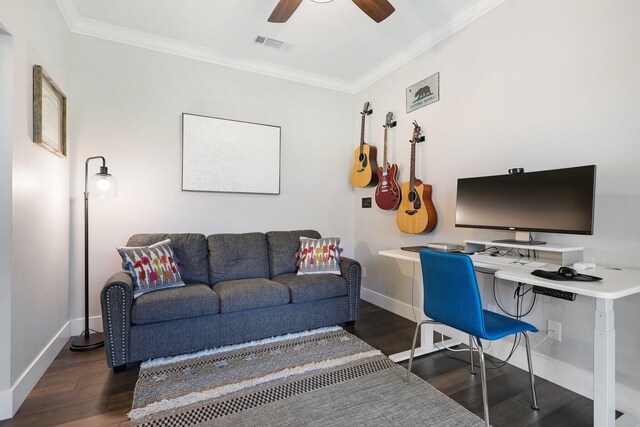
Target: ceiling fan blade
(378, 10)
(283, 10)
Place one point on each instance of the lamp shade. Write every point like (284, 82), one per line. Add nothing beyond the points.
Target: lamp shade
(102, 185)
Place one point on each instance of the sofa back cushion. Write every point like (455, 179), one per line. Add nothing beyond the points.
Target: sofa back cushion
(190, 249)
(283, 246)
(237, 256)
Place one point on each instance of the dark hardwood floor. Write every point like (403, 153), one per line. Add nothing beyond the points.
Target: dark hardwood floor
(79, 390)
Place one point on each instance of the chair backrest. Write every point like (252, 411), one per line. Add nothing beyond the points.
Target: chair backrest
(451, 294)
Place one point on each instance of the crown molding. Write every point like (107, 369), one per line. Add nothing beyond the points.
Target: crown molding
(90, 27)
(118, 34)
(458, 21)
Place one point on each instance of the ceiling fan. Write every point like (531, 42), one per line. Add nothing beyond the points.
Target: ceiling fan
(378, 10)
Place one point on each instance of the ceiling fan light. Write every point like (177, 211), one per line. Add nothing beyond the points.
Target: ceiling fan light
(322, 1)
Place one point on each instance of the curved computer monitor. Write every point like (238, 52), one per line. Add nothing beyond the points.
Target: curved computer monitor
(551, 201)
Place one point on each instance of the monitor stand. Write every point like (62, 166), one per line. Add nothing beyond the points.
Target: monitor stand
(522, 238)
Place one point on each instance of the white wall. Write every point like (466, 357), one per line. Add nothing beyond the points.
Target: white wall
(127, 106)
(538, 85)
(39, 202)
(6, 69)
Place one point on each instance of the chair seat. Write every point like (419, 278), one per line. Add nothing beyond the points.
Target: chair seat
(498, 326)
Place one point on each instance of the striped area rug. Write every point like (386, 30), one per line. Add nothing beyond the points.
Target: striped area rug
(324, 377)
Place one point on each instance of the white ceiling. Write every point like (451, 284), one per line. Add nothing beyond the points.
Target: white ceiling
(335, 44)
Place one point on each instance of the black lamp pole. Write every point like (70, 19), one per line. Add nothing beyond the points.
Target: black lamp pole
(87, 340)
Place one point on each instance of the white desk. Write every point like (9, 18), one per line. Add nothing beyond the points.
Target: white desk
(616, 283)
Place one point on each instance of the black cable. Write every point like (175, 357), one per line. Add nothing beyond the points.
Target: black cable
(535, 298)
(498, 302)
(486, 249)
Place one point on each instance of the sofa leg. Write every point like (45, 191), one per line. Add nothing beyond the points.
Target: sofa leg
(118, 369)
(350, 323)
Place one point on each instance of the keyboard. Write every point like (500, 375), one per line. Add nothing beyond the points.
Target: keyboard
(503, 260)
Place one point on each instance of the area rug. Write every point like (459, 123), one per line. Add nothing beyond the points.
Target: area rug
(324, 377)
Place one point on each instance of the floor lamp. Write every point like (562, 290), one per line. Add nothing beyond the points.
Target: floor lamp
(100, 185)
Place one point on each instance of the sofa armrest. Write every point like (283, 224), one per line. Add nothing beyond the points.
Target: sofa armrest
(351, 271)
(116, 300)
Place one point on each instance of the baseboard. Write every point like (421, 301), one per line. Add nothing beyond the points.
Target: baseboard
(10, 400)
(570, 377)
(393, 305)
(6, 404)
(77, 325)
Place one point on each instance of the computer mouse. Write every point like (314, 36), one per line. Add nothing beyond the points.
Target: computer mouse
(567, 272)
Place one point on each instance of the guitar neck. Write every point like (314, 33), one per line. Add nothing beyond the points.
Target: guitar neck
(384, 164)
(364, 114)
(412, 180)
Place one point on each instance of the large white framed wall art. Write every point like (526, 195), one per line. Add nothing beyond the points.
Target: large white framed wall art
(230, 156)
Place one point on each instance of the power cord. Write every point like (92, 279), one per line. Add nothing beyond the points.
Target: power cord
(549, 332)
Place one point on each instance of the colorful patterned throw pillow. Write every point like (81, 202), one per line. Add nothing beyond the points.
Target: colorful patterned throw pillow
(319, 256)
(152, 267)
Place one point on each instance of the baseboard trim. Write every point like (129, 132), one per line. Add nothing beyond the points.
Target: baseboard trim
(77, 325)
(10, 400)
(570, 377)
(6, 404)
(393, 305)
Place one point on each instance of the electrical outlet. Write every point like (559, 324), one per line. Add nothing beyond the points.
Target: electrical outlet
(552, 325)
(492, 307)
(364, 272)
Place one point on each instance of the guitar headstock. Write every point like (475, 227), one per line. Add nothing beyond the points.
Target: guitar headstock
(416, 133)
(389, 122)
(365, 110)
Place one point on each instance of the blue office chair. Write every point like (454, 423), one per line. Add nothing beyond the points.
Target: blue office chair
(451, 297)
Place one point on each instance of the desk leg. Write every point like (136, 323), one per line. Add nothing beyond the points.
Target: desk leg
(604, 364)
(426, 344)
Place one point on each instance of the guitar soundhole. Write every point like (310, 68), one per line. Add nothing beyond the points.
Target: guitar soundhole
(363, 159)
(413, 198)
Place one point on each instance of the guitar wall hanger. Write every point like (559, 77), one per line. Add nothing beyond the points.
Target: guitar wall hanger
(390, 125)
(416, 136)
(369, 112)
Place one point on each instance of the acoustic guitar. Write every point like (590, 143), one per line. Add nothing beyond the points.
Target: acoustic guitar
(365, 168)
(416, 213)
(388, 190)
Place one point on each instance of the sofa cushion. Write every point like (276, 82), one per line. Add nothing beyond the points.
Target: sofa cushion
(237, 256)
(175, 303)
(283, 246)
(151, 267)
(247, 294)
(190, 249)
(305, 288)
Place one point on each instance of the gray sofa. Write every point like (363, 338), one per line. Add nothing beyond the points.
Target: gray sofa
(239, 287)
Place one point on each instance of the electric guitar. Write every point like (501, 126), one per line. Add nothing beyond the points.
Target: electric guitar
(365, 168)
(416, 213)
(388, 190)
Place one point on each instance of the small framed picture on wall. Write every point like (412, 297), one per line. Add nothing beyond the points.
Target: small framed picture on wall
(423, 93)
(49, 113)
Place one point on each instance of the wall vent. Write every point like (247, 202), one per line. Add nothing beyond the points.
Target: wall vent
(274, 44)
